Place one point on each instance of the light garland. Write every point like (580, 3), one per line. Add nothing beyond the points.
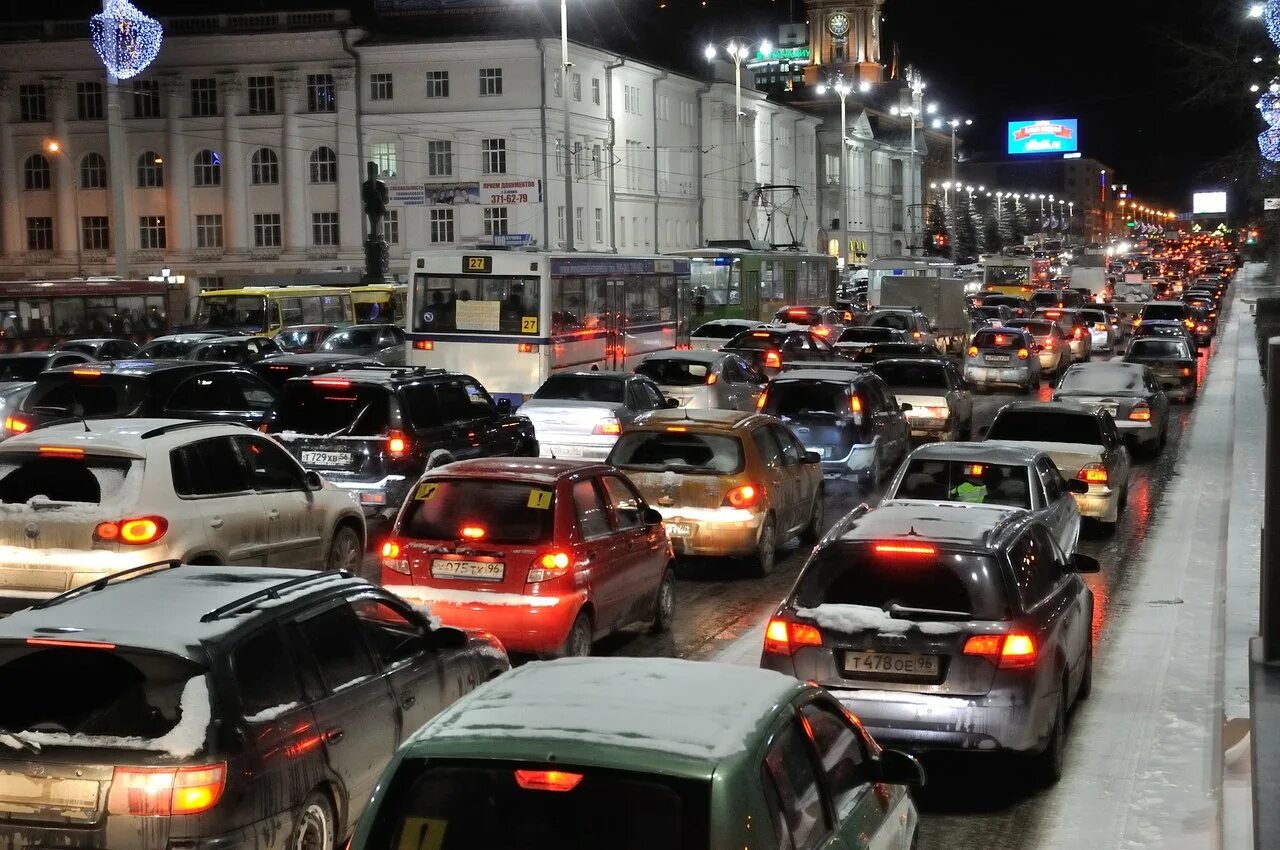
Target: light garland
(1272, 14)
(125, 39)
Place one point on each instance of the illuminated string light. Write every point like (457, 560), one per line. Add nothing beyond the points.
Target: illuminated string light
(125, 39)
(1272, 16)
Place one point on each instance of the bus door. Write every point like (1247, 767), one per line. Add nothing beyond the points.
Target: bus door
(683, 310)
(615, 324)
(750, 287)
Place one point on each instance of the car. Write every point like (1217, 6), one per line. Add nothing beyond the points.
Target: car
(847, 417)
(854, 339)
(1166, 311)
(383, 342)
(1098, 325)
(914, 324)
(1000, 357)
(101, 349)
(1118, 326)
(1163, 328)
(24, 366)
(941, 406)
(1020, 306)
(1130, 392)
(302, 339)
(1084, 443)
(1060, 298)
(707, 380)
(1206, 324)
(175, 346)
(372, 432)
(877, 351)
(548, 555)
(993, 315)
(234, 349)
(174, 705)
(1173, 361)
(826, 322)
(280, 368)
(1050, 344)
(944, 627)
(727, 756)
(769, 349)
(711, 335)
(726, 484)
(81, 504)
(992, 474)
(165, 389)
(579, 415)
(1079, 339)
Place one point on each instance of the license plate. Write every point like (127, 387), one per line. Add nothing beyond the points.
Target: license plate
(566, 451)
(482, 570)
(891, 664)
(1109, 408)
(997, 358)
(677, 529)
(326, 459)
(19, 793)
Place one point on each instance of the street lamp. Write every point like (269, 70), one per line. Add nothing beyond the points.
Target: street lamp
(955, 125)
(53, 146)
(1256, 10)
(842, 88)
(737, 49)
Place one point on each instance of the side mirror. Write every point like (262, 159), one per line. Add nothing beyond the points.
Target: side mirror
(904, 407)
(446, 637)
(983, 431)
(313, 480)
(1075, 485)
(652, 517)
(898, 768)
(504, 406)
(671, 403)
(1085, 564)
(812, 457)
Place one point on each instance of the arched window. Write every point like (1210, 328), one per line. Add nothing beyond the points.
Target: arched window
(324, 165)
(150, 170)
(93, 171)
(35, 173)
(208, 168)
(264, 167)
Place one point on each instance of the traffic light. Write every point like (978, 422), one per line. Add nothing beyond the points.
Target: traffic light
(940, 241)
(1253, 237)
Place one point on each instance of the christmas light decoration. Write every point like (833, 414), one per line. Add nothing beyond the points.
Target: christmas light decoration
(125, 39)
(1272, 15)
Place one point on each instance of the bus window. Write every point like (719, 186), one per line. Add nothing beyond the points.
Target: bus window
(291, 311)
(578, 304)
(231, 312)
(311, 310)
(666, 298)
(156, 319)
(474, 304)
(331, 309)
(68, 316)
(642, 300)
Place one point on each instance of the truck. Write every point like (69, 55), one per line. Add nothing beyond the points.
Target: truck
(941, 299)
(1092, 279)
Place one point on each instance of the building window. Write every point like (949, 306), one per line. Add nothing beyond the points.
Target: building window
(556, 76)
(40, 233)
(151, 233)
(32, 105)
(150, 170)
(35, 173)
(391, 227)
(495, 221)
(560, 223)
(146, 99)
(264, 167)
(437, 84)
(577, 224)
(631, 99)
(380, 87)
(490, 82)
(599, 225)
(439, 159)
(577, 87)
(324, 228)
(208, 231)
(320, 93)
(95, 233)
(93, 171)
(442, 226)
(493, 156)
(262, 95)
(89, 101)
(208, 168)
(595, 90)
(596, 163)
(266, 230)
(622, 231)
(579, 160)
(204, 96)
(324, 165)
(384, 154)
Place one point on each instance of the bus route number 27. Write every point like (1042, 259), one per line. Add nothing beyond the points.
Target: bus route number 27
(477, 264)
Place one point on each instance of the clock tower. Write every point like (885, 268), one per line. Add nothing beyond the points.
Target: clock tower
(844, 37)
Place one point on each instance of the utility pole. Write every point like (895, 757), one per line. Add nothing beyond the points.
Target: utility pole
(566, 155)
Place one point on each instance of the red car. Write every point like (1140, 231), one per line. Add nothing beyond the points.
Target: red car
(548, 555)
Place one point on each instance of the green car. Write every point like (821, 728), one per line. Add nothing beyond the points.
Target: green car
(608, 754)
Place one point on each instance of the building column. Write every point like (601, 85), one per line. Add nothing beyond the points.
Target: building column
(293, 178)
(64, 171)
(14, 243)
(350, 162)
(177, 169)
(234, 232)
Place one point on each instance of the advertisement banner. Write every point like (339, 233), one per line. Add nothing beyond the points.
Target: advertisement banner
(452, 194)
(506, 193)
(1209, 203)
(1052, 135)
(406, 195)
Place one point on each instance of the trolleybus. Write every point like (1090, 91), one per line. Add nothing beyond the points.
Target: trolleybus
(742, 283)
(36, 315)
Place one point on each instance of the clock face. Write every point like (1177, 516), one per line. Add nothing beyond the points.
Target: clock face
(838, 24)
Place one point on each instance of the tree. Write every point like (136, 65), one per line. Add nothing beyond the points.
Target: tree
(937, 241)
(966, 231)
(992, 235)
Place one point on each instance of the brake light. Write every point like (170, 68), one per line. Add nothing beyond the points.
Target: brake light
(904, 549)
(712, 378)
(1053, 314)
(973, 351)
(822, 332)
(333, 383)
(16, 425)
(742, 497)
(1094, 473)
(855, 404)
(526, 348)
(547, 780)
(61, 451)
(1141, 412)
(974, 470)
(1001, 339)
(798, 312)
(159, 791)
(1008, 652)
(73, 644)
(1202, 328)
(549, 566)
(762, 400)
(915, 334)
(1189, 323)
(607, 428)
(1186, 371)
(1077, 333)
(472, 532)
(397, 443)
(773, 360)
(137, 531)
(760, 335)
(391, 559)
(87, 373)
(391, 549)
(1023, 354)
(784, 638)
(424, 345)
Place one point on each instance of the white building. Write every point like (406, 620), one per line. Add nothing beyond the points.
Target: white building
(247, 138)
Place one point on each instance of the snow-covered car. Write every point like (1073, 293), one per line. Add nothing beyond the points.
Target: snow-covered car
(199, 707)
(80, 501)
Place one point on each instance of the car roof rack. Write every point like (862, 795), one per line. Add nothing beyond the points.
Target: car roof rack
(105, 581)
(179, 426)
(272, 592)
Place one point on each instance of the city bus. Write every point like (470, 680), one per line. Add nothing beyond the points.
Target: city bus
(380, 303)
(267, 310)
(1018, 276)
(36, 315)
(513, 318)
(742, 283)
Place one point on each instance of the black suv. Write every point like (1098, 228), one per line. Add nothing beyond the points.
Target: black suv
(375, 431)
(769, 349)
(159, 389)
(180, 706)
(276, 370)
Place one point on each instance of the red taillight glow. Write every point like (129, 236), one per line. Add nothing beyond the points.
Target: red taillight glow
(822, 331)
(1094, 473)
(1140, 413)
(773, 360)
(973, 351)
(391, 549)
(548, 566)
(16, 425)
(1047, 345)
(332, 383)
(855, 404)
(158, 791)
(397, 443)
(424, 345)
(137, 531)
(1008, 652)
(1186, 371)
(712, 379)
(472, 532)
(784, 638)
(547, 780)
(1023, 354)
(73, 644)
(974, 470)
(87, 373)
(1078, 333)
(904, 549)
(1001, 339)
(762, 401)
(1053, 314)
(526, 348)
(61, 451)
(1202, 329)
(607, 428)
(742, 497)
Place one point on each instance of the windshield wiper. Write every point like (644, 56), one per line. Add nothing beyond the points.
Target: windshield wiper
(902, 612)
(342, 432)
(12, 740)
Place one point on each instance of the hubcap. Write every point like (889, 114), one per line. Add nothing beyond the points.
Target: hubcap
(345, 556)
(580, 644)
(314, 832)
(666, 601)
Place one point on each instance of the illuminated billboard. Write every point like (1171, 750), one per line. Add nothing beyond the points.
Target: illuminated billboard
(1209, 203)
(1050, 135)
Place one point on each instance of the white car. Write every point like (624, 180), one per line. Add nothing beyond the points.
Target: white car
(709, 336)
(80, 501)
(579, 415)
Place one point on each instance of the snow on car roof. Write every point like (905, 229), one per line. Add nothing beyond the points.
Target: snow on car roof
(694, 710)
(946, 522)
(111, 436)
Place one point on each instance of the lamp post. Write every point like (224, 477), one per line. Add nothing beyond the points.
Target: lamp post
(842, 88)
(568, 158)
(955, 125)
(53, 146)
(737, 50)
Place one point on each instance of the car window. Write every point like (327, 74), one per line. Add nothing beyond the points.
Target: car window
(271, 468)
(651, 398)
(264, 675)
(455, 404)
(1054, 487)
(733, 371)
(1035, 567)
(626, 503)
(792, 451)
(767, 446)
(394, 637)
(588, 506)
(208, 468)
(482, 406)
(333, 636)
(840, 754)
(421, 406)
(1052, 570)
(799, 820)
(208, 391)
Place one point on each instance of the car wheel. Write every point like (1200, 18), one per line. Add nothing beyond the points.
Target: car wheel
(1086, 681)
(578, 643)
(767, 548)
(664, 605)
(315, 828)
(1048, 764)
(345, 551)
(812, 532)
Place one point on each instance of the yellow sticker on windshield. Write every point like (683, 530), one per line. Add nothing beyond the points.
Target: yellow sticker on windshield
(422, 834)
(426, 492)
(528, 324)
(540, 499)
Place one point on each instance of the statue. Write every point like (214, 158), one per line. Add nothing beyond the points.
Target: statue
(376, 260)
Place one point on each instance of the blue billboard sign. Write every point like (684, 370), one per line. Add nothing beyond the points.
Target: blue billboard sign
(1054, 135)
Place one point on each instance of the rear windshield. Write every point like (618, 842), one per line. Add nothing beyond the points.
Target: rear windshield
(582, 388)
(991, 339)
(354, 410)
(715, 331)
(24, 477)
(926, 375)
(1045, 426)
(989, 312)
(1033, 327)
(864, 334)
(1102, 380)
(1094, 316)
(965, 481)
(168, 349)
(228, 351)
(21, 368)
(1174, 312)
(753, 341)
(1046, 299)
(354, 338)
(682, 451)
(675, 373)
(1159, 349)
(799, 316)
(897, 321)
(64, 394)
(801, 398)
(486, 807)
(853, 574)
(507, 512)
(1009, 301)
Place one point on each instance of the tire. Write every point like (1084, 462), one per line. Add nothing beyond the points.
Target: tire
(1048, 764)
(766, 557)
(1086, 681)
(812, 532)
(346, 551)
(664, 604)
(316, 827)
(578, 643)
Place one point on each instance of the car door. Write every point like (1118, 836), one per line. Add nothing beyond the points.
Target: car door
(795, 487)
(772, 473)
(1036, 573)
(603, 550)
(740, 394)
(295, 520)
(642, 547)
(962, 400)
(221, 396)
(794, 792)
(643, 395)
(1061, 514)
(414, 668)
(212, 487)
(887, 421)
(485, 422)
(460, 418)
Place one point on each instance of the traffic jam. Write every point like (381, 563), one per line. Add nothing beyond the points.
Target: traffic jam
(548, 550)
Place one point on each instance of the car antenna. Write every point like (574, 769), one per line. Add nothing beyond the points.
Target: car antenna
(913, 532)
(85, 423)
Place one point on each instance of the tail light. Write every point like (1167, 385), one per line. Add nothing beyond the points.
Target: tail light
(773, 360)
(137, 531)
(1190, 324)
(1141, 413)
(472, 532)
(762, 401)
(161, 791)
(607, 428)
(915, 335)
(397, 443)
(1023, 354)
(15, 425)
(1077, 333)
(822, 331)
(712, 379)
(1094, 473)
(1015, 651)
(391, 559)
(424, 345)
(1202, 329)
(547, 780)
(1048, 345)
(784, 638)
(526, 348)
(548, 566)
(973, 351)
(742, 497)
(855, 404)
(331, 383)
(1186, 371)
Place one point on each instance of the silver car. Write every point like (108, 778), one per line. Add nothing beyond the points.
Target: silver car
(941, 406)
(1130, 392)
(1002, 356)
(705, 380)
(579, 415)
(709, 336)
(1101, 337)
